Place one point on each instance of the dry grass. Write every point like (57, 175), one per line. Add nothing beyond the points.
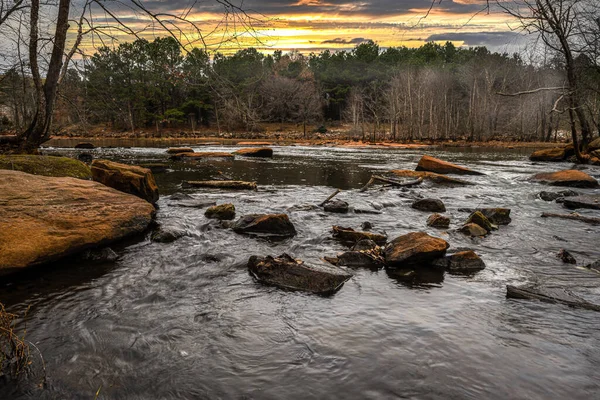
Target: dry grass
(15, 358)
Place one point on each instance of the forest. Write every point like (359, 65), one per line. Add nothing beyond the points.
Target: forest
(434, 92)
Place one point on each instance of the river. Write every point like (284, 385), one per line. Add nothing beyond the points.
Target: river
(186, 321)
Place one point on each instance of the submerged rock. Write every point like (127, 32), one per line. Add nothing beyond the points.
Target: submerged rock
(265, 224)
(43, 219)
(288, 273)
(571, 178)
(479, 219)
(430, 176)
(595, 266)
(465, 261)
(105, 254)
(552, 196)
(130, 179)
(473, 230)
(431, 164)
(549, 295)
(438, 221)
(46, 166)
(349, 235)
(431, 205)
(167, 234)
(414, 249)
(553, 154)
(566, 257)
(586, 201)
(265, 152)
(336, 206)
(222, 212)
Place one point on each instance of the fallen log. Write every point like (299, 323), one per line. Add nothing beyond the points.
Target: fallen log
(574, 216)
(330, 197)
(236, 185)
(548, 295)
(392, 182)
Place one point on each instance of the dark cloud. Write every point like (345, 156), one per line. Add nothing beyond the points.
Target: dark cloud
(490, 39)
(357, 40)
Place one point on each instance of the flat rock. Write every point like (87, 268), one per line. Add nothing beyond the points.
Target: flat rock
(552, 196)
(336, 206)
(430, 176)
(438, 221)
(43, 219)
(126, 178)
(570, 178)
(431, 164)
(549, 295)
(265, 152)
(553, 154)
(221, 212)
(265, 224)
(46, 166)
(414, 249)
(431, 205)
(586, 201)
(288, 273)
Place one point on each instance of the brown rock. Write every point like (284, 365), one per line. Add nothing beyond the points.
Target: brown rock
(351, 236)
(594, 144)
(465, 261)
(431, 205)
(222, 212)
(44, 219)
(430, 176)
(415, 248)
(255, 152)
(126, 178)
(473, 230)
(571, 178)
(431, 164)
(288, 273)
(85, 145)
(438, 221)
(554, 154)
(566, 257)
(179, 150)
(265, 224)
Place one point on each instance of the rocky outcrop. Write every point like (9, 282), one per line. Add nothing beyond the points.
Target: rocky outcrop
(265, 152)
(591, 201)
(570, 178)
(473, 230)
(46, 166)
(179, 150)
(431, 164)
(336, 206)
(438, 221)
(288, 273)
(221, 212)
(350, 236)
(266, 225)
(130, 179)
(554, 154)
(430, 205)
(43, 219)
(414, 249)
(430, 176)
(479, 219)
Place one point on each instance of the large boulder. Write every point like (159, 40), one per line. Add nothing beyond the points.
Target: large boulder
(431, 164)
(126, 178)
(554, 154)
(586, 201)
(43, 219)
(429, 176)
(265, 224)
(414, 249)
(46, 166)
(288, 273)
(570, 178)
(431, 205)
(221, 212)
(255, 152)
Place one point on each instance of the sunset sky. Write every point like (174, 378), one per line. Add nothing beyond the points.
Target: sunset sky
(315, 25)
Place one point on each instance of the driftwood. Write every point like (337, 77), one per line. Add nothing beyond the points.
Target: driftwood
(392, 182)
(236, 185)
(330, 197)
(549, 296)
(574, 216)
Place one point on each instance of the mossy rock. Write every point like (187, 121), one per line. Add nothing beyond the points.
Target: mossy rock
(46, 166)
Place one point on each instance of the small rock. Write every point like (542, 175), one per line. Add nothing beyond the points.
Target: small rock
(497, 216)
(179, 150)
(265, 224)
(473, 230)
(595, 266)
(336, 206)
(288, 273)
(414, 249)
(366, 226)
(222, 212)
(166, 234)
(85, 146)
(465, 261)
(105, 254)
(438, 221)
(431, 205)
(552, 196)
(265, 152)
(566, 257)
(364, 244)
(479, 219)
(349, 235)
(554, 154)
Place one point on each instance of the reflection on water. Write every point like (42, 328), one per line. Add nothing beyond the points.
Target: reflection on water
(186, 320)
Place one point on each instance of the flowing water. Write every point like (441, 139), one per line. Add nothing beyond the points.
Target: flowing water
(186, 321)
